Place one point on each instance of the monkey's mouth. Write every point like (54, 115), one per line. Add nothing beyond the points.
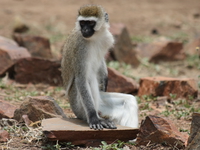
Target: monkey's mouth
(87, 35)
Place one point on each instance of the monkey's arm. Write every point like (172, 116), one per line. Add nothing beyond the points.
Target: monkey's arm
(103, 77)
(87, 101)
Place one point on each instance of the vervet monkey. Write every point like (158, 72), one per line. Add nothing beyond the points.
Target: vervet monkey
(84, 73)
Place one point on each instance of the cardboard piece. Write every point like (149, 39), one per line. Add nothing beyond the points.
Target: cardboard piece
(78, 132)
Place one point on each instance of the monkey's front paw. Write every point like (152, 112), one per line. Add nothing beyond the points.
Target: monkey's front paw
(108, 124)
(101, 123)
(96, 125)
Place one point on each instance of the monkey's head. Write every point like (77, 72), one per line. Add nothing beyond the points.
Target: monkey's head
(91, 18)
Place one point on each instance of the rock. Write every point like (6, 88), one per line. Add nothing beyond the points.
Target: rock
(6, 110)
(37, 70)
(4, 136)
(26, 120)
(195, 126)
(20, 25)
(38, 108)
(196, 15)
(195, 144)
(120, 83)
(164, 86)
(161, 101)
(154, 31)
(123, 49)
(110, 56)
(193, 46)
(162, 50)
(10, 52)
(159, 130)
(194, 139)
(6, 41)
(159, 104)
(36, 45)
(78, 132)
(21, 28)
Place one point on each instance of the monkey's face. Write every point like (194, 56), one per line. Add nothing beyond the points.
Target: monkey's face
(87, 27)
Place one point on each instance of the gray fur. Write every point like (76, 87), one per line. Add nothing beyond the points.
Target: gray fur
(79, 80)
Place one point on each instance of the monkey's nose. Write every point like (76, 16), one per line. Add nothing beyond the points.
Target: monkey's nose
(87, 32)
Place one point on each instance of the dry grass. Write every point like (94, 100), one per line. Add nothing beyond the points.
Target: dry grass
(24, 134)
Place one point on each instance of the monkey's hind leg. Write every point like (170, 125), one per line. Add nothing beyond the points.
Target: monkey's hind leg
(119, 108)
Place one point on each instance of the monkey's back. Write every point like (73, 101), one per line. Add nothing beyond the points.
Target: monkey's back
(68, 60)
(73, 51)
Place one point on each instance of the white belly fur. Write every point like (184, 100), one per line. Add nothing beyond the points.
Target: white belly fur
(120, 108)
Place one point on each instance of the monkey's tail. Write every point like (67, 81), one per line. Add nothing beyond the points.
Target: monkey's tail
(120, 108)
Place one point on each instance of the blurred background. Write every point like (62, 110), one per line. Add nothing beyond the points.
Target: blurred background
(157, 37)
(171, 18)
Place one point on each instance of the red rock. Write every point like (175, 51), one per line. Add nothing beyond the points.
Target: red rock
(4, 136)
(120, 83)
(161, 51)
(37, 108)
(5, 41)
(194, 139)
(10, 52)
(36, 45)
(159, 130)
(6, 110)
(37, 70)
(110, 56)
(164, 86)
(78, 132)
(123, 49)
(26, 120)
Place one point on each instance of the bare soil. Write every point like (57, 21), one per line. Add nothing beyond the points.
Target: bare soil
(175, 19)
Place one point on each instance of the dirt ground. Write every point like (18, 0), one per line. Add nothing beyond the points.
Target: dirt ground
(168, 17)
(175, 19)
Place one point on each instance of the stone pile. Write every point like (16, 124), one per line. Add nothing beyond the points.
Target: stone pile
(29, 60)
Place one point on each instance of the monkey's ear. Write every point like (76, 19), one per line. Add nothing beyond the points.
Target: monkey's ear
(106, 17)
(79, 13)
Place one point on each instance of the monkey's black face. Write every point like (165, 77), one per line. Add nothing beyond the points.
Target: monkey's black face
(87, 28)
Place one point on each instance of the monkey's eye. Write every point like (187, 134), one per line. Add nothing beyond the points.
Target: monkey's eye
(92, 23)
(82, 23)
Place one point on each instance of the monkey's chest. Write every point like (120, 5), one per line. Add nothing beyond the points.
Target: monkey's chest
(94, 62)
(93, 65)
